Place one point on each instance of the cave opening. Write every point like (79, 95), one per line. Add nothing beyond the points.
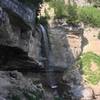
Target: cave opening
(14, 58)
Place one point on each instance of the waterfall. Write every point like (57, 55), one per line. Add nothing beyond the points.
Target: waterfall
(45, 41)
(47, 51)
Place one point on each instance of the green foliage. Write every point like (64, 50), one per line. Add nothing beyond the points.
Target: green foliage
(69, 12)
(92, 77)
(72, 16)
(90, 16)
(60, 8)
(43, 21)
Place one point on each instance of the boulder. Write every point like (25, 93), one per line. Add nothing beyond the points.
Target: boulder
(14, 86)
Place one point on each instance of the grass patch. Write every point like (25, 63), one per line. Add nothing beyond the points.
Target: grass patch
(90, 16)
(85, 61)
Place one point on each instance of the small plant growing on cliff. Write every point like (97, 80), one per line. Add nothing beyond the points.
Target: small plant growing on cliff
(72, 16)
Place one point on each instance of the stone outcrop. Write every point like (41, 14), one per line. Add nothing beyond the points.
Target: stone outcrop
(18, 9)
(66, 46)
(23, 47)
(18, 36)
(14, 86)
(19, 44)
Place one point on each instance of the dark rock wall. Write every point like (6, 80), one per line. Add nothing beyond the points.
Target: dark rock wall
(17, 32)
(21, 43)
(20, 10)
(14, 86)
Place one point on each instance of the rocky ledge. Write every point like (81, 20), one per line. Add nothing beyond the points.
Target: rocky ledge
(14, 86)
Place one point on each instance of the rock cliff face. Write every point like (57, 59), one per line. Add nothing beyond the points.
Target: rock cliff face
(19, 50)
(17, 33)
(26, 47)
(66, 46)
(19, 39)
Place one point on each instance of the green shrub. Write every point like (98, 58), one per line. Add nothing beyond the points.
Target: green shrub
(68, 12)
(90, 16)
(72, 16)
(60, 8)
(92, 77)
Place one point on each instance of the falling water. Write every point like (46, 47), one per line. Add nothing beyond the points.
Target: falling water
(47, 53)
